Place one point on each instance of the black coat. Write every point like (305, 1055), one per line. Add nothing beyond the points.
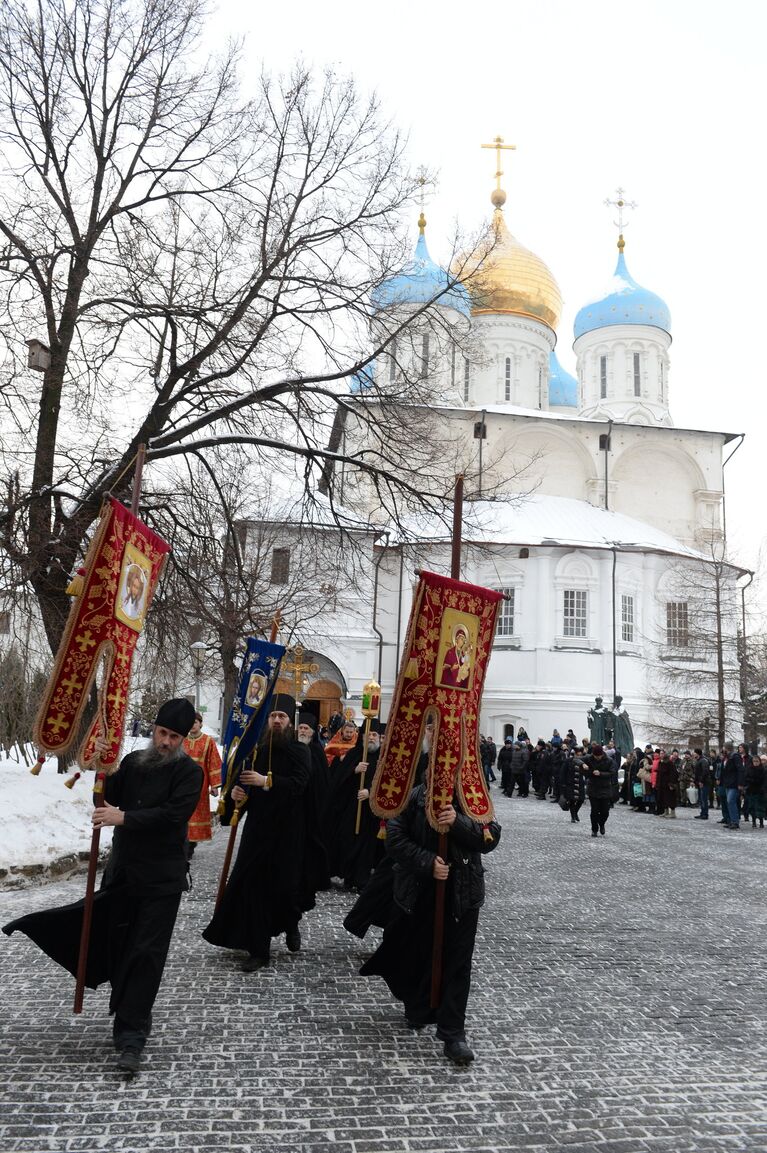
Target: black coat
(573, 780)
(148, 850)
(413, 844)
(601, 777)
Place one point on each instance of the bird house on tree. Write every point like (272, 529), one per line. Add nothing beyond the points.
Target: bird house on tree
(38, 356)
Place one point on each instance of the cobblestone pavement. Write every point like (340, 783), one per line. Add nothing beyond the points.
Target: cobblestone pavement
(619, 1006)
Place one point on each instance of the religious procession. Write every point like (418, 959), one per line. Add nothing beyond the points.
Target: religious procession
(398, 813)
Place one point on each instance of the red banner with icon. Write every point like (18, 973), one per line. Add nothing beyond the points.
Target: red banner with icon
(449, 638)
(111, 598)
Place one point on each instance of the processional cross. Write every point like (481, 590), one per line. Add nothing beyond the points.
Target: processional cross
(296, 667)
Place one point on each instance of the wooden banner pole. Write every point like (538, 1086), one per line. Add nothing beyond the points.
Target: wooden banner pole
(98, 803)
(442, 850)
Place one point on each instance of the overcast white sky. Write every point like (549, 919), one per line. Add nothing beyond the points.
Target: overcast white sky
(664, 98)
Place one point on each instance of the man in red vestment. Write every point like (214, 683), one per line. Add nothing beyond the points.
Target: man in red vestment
(203, 749)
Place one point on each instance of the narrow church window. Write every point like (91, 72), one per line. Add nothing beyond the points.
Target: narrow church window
(393, 362)
(575, 613)
(540, 387)
(637, 376)
(603, 376)
(466, 378)
(627, 619)
(505, 625)
(677, 625)
(280, 566)
(5, 622)
(452, 368)
(424, 355)
(507, 392)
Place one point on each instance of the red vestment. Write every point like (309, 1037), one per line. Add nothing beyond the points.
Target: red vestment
(337, 746)
(204, 751)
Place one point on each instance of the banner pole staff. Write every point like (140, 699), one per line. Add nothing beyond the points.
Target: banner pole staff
(439, 893)
(236, 811)
(98, 803)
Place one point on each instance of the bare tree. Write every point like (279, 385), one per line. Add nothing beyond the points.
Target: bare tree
(199, 266)
(245, 551)
(695, 675)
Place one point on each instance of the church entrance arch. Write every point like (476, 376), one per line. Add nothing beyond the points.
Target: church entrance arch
(325, 687)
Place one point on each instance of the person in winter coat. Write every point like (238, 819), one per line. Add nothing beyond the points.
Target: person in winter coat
(702, 776)
(601, 781)
(504, 767)
(573, 785)
(755, 786)
(733, 782)
(667, 785)
(404, 957)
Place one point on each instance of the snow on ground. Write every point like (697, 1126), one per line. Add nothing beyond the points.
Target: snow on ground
(41, 820)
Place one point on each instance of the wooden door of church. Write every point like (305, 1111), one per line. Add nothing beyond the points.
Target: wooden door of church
(328, 696)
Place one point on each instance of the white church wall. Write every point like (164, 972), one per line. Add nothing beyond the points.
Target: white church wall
(523, 342)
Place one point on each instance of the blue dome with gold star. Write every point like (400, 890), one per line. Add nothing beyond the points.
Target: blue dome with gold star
(421, 282)
(563, 388)
(626, 302)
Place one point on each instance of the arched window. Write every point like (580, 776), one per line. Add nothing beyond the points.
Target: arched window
(466, 379)
(507, 385)
(603, 376)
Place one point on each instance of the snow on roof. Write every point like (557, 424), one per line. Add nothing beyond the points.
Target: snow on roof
(545, 414)
(556, 521)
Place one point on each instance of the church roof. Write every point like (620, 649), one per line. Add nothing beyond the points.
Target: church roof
(554, 521)
(422, 281)
(563, 387)
(625, 302)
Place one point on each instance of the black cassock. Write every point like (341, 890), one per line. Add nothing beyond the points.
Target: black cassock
(266, 893)
(351, 856)
(135, 910)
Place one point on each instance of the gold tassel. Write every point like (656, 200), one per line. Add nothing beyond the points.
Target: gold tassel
(235, 818)
(268, 784)
(411, 672)
(381, 834)
(221, 807)
(76, 584)
(487, 834)
(72, 781)
(37, 766)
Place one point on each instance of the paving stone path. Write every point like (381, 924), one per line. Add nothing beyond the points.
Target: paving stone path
(619, 1006)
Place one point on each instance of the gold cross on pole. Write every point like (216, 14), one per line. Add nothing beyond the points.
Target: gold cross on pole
(295, 666)
(499, 196)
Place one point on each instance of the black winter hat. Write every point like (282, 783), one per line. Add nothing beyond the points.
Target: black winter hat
(177, 715)
(308, 719)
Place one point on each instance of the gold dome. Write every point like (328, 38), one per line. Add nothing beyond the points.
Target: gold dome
(504, 276)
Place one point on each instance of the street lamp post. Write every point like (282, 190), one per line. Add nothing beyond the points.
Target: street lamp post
(198, 650)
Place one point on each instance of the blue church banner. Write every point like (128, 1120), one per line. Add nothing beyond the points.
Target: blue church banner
(258, 676)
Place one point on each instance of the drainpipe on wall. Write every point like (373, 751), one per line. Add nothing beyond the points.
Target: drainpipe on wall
(376, 629)
(607, 450)
(724, 502)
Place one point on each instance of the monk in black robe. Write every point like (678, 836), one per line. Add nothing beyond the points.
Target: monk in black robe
(265, 894)
(149, 801)
(316, 867)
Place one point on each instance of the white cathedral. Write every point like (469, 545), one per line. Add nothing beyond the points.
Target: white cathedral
(613, 500)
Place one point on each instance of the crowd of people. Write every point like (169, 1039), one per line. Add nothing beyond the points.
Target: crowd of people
(731, 781)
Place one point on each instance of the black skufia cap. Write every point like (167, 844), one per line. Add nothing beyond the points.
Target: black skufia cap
(284, 703)
(177, 715)
(308, 719)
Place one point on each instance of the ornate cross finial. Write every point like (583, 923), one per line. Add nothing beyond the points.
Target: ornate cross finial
(498, 196)
(423, 179)
(620, 204)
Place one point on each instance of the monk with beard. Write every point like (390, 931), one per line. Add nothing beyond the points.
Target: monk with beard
(148, 801)
(265, 894)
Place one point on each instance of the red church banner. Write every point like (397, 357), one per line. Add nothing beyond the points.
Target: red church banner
(448, 644)
(123, 565)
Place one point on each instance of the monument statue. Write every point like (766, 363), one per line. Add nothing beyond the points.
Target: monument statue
(596, 717)
(623, 735)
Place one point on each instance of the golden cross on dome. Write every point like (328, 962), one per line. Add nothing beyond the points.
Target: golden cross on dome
(498, 196)
(620, 204)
